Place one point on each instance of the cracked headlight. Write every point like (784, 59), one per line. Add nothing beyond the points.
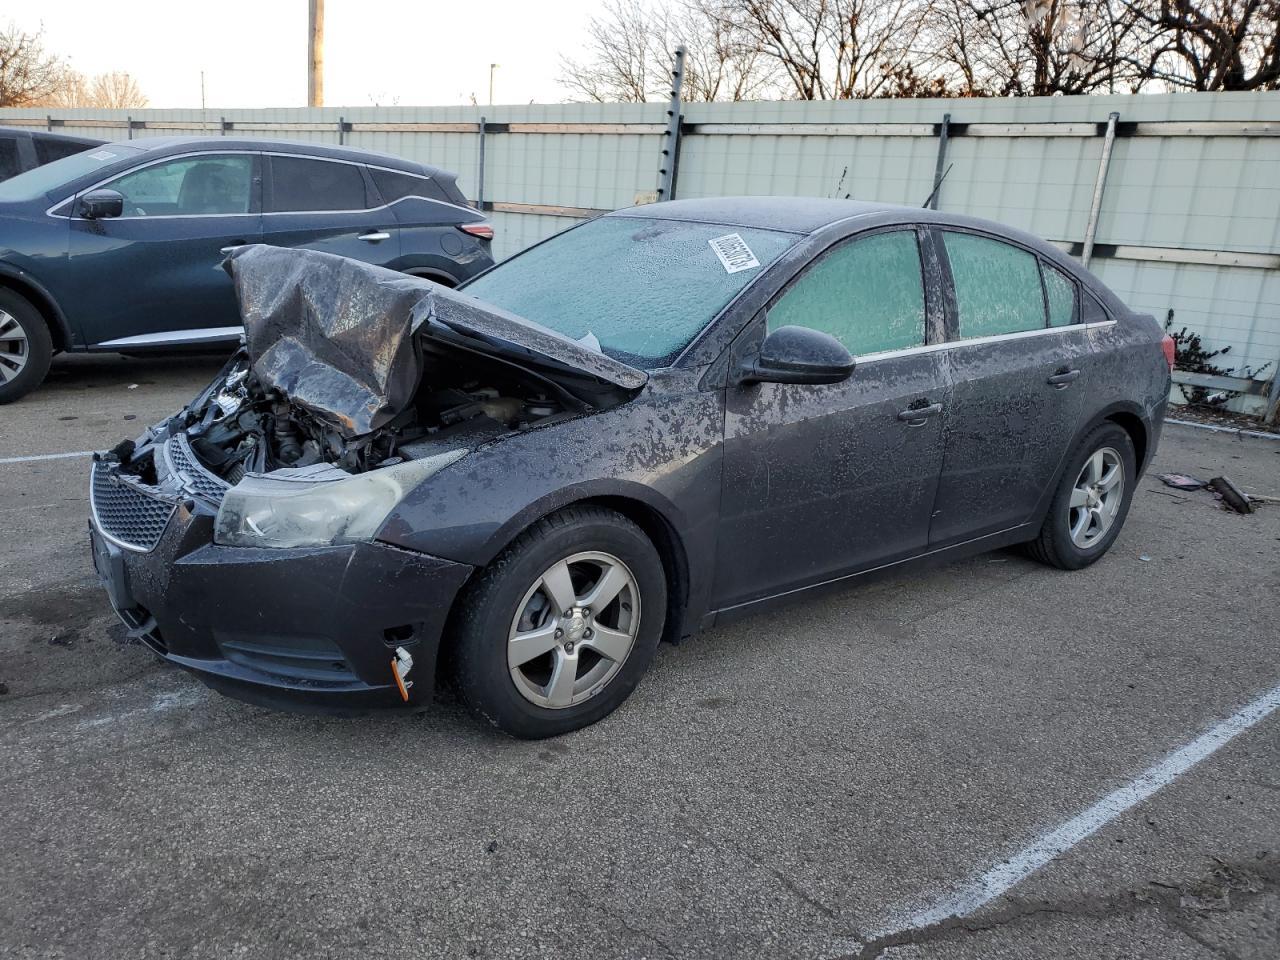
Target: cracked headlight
(317, 506)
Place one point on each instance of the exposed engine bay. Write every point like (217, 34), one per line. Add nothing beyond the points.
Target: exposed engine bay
(236, 426)
(349, 367)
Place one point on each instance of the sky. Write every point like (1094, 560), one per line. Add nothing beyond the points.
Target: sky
(254, 52)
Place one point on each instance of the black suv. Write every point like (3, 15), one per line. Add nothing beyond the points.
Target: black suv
(23, 150)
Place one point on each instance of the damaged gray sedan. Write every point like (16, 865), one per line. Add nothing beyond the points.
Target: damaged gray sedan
(662, 419)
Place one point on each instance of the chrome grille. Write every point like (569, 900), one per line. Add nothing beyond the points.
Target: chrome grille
(126, 514)
(182, 460)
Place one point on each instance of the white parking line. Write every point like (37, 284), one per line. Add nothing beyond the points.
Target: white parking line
(47, 456)
(980, 890)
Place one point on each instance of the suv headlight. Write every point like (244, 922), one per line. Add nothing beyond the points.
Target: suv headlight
(319, 505)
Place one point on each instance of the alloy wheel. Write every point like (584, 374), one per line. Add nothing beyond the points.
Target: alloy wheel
(14, 349)
(573, 630)
(1096, 497)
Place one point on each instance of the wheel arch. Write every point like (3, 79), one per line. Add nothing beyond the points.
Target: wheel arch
(39, 298)
(653, 521)
(436, 276)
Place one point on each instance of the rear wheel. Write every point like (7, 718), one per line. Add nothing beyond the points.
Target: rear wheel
(25, 347)
(1091, 502)
(558, 630)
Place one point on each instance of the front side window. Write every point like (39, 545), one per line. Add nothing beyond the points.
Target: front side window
(189, 186)
(641, 287)
(1060, 294)
(997, 286)
(301, 184)
(867, 293)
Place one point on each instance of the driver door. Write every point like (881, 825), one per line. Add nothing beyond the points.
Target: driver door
(156, 270)
(822, 481)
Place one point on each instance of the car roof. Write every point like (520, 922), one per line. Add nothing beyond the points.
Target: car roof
(164, 145)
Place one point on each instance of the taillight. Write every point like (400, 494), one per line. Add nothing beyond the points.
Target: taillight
(1170, 353)
(482, 230)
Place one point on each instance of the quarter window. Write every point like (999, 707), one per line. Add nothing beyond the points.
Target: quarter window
(1060, 293)
(867, 293)
(298, 183)
(191, 186)
(396, 186)
(997, 286)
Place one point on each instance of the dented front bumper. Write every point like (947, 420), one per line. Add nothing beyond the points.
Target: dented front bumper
(315, 628)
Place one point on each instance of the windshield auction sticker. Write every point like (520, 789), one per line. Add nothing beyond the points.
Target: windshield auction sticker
(734, 253)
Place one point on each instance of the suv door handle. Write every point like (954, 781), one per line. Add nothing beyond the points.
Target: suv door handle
(376, 236)
(916, 416)
(1064, 378)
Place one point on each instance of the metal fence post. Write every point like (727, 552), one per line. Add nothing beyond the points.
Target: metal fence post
(943, 132)
(222, 126)
(342, 131)
(129, 124)
(480, 173)
(1091, 228)
(671, 138)
(48, 121)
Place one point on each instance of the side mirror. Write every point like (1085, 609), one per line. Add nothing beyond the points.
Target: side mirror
(798, 355)
(101, 205)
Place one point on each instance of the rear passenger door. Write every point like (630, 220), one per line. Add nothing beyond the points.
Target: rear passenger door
(327, 205)
(1019, 363)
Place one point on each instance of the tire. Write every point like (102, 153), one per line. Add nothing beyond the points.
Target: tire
(1070, 539)
(26, 348)
(572, 684)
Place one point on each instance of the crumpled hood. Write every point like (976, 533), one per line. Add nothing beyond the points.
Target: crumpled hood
(336, 336)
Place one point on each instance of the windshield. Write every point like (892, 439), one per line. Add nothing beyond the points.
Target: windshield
(36, 183)
(642, 288)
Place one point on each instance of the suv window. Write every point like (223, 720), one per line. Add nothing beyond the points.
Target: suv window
(1060, 294)
(997, 286)
(10, 166)
(396, 186)
(299, 183)
(49, 150)
(189, 186)
(868, 293)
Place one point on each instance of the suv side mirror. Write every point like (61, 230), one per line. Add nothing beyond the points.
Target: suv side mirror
(798, 355)
(101, 205)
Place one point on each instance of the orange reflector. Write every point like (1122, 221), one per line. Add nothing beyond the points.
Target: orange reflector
(395, 672)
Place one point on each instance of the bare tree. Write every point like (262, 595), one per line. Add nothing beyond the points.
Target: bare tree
(631, 47)
(116, 91)
(1034, 47)
(826, 49)
(27, 73)
(1209, 44)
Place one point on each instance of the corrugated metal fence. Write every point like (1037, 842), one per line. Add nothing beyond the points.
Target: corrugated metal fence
(1189, 219)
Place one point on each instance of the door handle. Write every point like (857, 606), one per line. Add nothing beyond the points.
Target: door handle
(916, 416)
(1064, 378)
(376, 236)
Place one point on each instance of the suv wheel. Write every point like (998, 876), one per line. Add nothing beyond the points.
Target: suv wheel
(25, 347)
(1091, 502)
(558, 630)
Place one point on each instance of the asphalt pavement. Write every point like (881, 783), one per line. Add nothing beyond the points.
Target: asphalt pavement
(812, 782)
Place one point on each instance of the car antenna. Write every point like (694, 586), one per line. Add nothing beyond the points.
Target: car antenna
(937, 186)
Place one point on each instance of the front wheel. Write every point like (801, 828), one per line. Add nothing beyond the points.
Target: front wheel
(559, 629)
(1091, 502)
(26, 348)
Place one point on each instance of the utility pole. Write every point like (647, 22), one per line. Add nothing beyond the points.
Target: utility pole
(492, 67)
(315, 53)
(201, 89)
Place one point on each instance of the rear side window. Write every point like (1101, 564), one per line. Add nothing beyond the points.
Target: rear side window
(1093, 311)
(298, 183)
(997, 286)
(1060, 294)
(49, 150)
(867, 293)
(9, 164)
(396, 186)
